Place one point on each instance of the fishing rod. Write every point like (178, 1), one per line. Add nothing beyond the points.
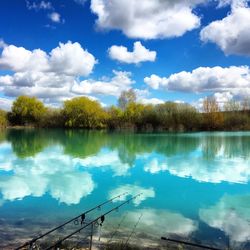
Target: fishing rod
(102, 217)
(190, 244)
(117, 228)
(82, 216)
(133, 230)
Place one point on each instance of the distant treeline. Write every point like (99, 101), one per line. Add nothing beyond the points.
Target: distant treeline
(82, 112)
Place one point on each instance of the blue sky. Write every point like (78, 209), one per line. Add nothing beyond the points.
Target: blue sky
(165, 50)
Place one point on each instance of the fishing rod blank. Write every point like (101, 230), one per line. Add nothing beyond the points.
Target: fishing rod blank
(190, 243)
(117, 228)
(82, 216)
(133, 230)
(102, 217)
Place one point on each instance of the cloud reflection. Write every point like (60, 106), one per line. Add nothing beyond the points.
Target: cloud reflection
(162, 222)
(154, 166)
(107, 158)
(49, 171)
(231, 215)
(132, 190)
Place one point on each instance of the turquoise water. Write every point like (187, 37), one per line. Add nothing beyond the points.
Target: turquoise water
(195, 186)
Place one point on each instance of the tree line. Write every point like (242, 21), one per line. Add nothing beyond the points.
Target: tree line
(82, 112)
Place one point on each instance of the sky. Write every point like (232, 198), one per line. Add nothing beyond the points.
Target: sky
(181, 50)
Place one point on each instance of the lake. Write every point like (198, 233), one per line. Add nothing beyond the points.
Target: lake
(195, 186)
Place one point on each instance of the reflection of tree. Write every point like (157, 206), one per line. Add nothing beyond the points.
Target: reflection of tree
(130, 145)
(211, 146)
(28, 142)
(83, 143)
(232, 145)
(2, 135)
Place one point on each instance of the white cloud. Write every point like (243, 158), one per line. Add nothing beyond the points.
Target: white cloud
(204, 79)
(43, 5)
(5, 103)
(138, 55)
(49, 76)
(147, 19)
(2, 44)
(232, 33)
(233, 3)
(231, 215)
(114, 86)
(132, 190)
(155, 82)
(153, 101)
(55, 17)
(69, 59)
(221, 99)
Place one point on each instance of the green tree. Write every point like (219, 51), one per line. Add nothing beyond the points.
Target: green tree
(53, 118)
(81, 112)
(126, 97)
(133, 115)
(26, 110)
(115, 118)
(3, 119)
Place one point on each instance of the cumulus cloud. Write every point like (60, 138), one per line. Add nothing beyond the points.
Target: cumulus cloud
(132, 190)
(5, 103)
(114, 86)
(49, 76)
(147, 19)
(233, 3)
(231, 215)
(55, 17)
(69, 58)
(153, 101)
(221, 99)
(138, 55)
(232, 33)
(235, 80)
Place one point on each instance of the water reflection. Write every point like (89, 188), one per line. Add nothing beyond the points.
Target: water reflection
(176, 173)
(106, 158)
(231, 215)
(132, 190)
(161, 222)
(49, 171)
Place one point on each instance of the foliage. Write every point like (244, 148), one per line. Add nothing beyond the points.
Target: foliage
(26, 111)
(53, 118)
(81, 112)
(3, 119)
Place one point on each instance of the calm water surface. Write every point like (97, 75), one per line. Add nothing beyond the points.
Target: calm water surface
(195, 186)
